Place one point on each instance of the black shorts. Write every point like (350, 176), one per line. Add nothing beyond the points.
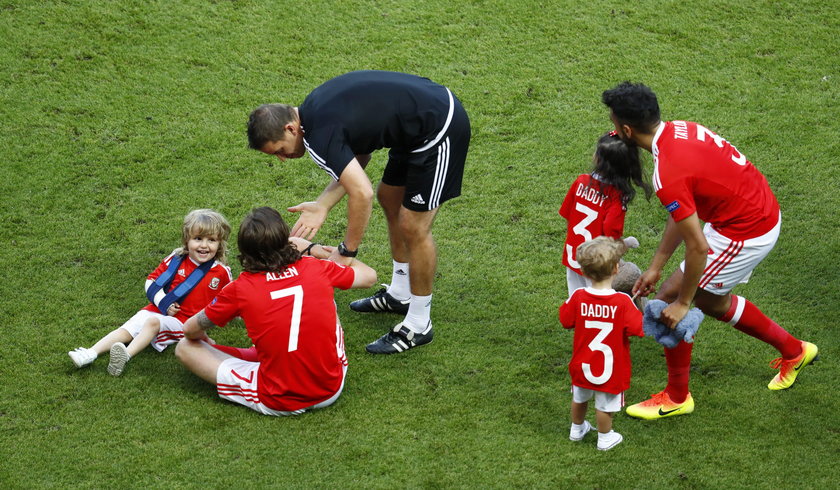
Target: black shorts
(433, 175)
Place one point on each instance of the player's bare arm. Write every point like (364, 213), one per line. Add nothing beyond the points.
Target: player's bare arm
(359, 206)
(696, 248)
(671, 239)
(365, 276)
(314, 213)
(195, 328)
(316, 250)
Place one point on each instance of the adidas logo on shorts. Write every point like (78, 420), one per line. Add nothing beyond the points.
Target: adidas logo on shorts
(418, 199)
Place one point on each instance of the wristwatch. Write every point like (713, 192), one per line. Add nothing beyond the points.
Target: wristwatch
(342, 250)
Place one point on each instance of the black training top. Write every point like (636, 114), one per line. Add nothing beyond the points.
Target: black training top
(362, 111)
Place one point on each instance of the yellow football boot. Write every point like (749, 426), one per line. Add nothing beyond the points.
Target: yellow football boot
(789, 369)
(660, 406)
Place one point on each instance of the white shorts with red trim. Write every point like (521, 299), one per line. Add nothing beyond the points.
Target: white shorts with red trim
(731, 262)
(605, 402)
(171, 329)
(236, 381)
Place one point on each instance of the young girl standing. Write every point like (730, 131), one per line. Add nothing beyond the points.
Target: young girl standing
(596, 203)
(182, 285)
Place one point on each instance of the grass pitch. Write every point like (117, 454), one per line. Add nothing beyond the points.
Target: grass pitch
(119, 117)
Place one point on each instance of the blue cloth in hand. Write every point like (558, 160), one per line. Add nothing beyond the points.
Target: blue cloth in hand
(685, 329)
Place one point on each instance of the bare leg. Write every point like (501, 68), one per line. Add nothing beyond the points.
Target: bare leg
(579, 412)
(390, 198)
(118, 335)
(416, 229)
(604, 421)
(670, 289)
(710, 304)
(200, 358)
(151, 327)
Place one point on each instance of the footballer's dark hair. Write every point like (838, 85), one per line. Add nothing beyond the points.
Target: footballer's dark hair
(633, 104)
(267, 123)
(619, 164)
(264, 242)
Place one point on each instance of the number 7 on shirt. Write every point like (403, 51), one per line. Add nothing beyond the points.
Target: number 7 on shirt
(294, 330)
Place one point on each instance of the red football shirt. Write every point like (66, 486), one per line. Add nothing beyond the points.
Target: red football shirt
(603, 320)
(591, 209)
(696, 170)
(291, 319)
(202, 294)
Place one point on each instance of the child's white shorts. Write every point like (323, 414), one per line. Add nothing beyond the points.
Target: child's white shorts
(575, 281)
(731, 262)
(171, 329)
(236, 381)
(605, 402)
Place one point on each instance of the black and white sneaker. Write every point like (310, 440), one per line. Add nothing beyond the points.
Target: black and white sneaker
(400, 339)
(381, 302)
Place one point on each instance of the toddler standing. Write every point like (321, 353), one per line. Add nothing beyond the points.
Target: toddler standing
(603, 320)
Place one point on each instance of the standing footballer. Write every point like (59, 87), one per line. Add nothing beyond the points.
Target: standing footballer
(340, 123)
(699, 177)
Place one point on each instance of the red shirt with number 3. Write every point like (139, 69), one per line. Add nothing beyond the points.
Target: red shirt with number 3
(592, 209)
(604, 320)
(696, 170)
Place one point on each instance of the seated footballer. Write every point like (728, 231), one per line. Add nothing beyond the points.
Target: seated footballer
(286, 300)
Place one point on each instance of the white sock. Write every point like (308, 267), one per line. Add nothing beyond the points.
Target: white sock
(419, 310)
(399, 287)
(578, 427)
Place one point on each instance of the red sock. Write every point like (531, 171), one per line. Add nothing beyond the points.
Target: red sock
(747, 318)
(678, 360)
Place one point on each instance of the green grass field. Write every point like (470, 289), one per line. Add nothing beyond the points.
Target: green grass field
(120, 117)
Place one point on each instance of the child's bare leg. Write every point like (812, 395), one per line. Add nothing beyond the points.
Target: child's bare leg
(579, 412)
(151, 327)
(607, 438)
(604, 421)
(118, 335)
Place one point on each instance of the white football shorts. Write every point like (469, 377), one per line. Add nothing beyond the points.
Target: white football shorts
(731, 262)
(605, 402)
(236, 381)
(171, 329)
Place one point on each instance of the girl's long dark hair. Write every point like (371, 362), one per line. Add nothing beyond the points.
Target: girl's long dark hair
(620, 165)
(264, 242)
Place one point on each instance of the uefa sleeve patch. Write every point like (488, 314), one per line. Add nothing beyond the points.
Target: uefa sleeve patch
(673, 206)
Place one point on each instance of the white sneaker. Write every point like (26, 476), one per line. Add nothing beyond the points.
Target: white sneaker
(577, 434)
(82, 356)
(119, 356)
(609, 440)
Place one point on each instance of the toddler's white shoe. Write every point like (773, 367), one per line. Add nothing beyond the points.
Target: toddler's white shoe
(82, 356)
(577, 433)
(119, 356)
(609, 440)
